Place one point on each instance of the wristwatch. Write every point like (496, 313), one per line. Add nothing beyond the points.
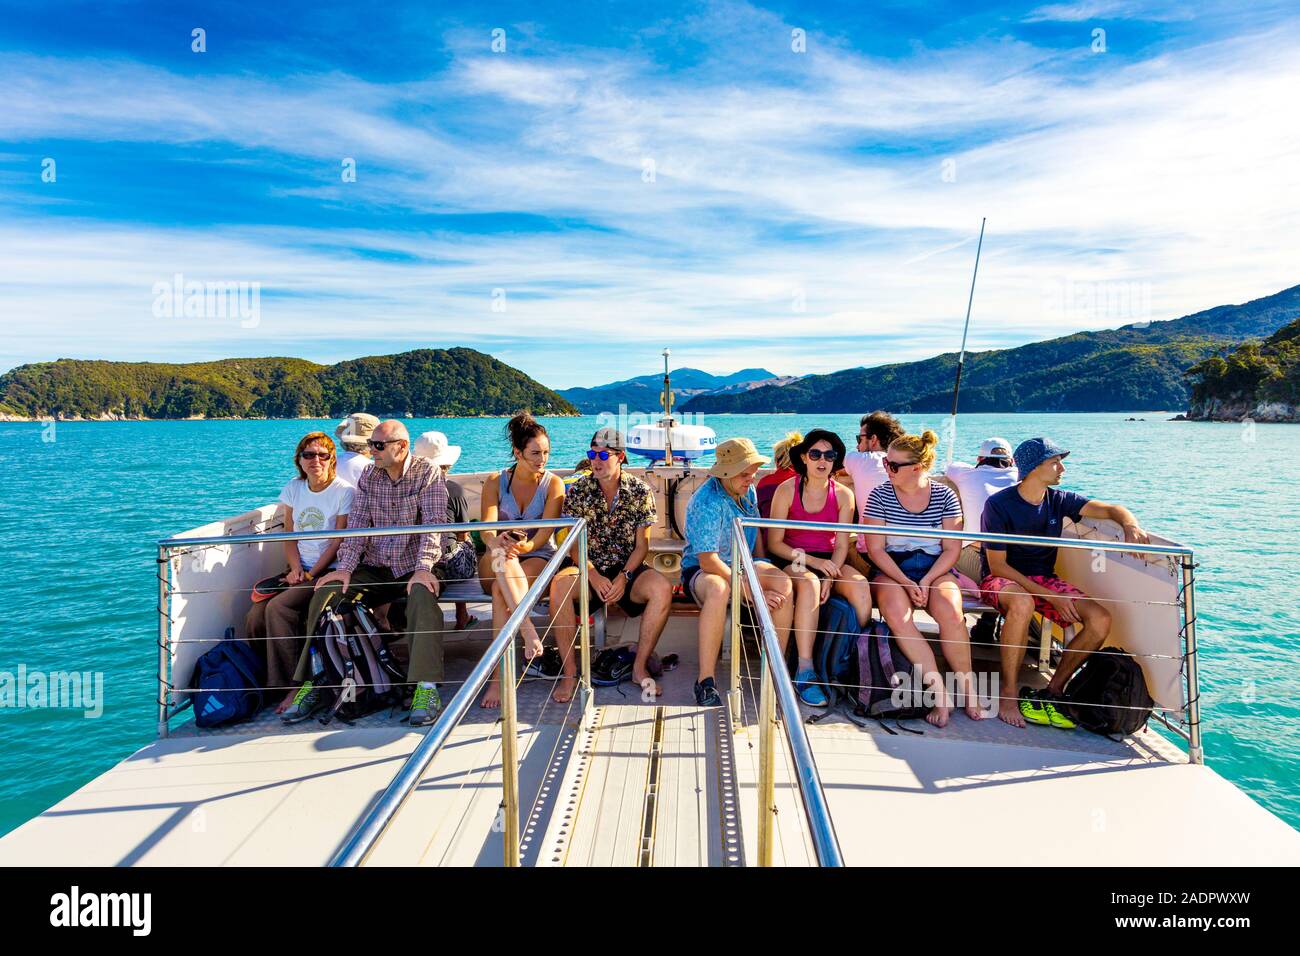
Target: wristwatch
(627, 574)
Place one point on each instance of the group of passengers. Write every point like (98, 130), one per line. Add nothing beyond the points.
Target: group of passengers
(380, 479)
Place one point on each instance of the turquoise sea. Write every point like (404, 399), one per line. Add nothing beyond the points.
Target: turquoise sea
(84, 504)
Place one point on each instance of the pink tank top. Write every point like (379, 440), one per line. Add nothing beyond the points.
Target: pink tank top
(813, 541)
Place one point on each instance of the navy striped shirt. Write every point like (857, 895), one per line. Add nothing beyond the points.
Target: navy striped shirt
(883, 504)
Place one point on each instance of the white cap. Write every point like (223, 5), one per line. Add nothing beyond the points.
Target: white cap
(433, 445)
(995, 448)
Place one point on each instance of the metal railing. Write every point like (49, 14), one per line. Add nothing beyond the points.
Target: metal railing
(776, 697)
(366, 834)
(777, 690)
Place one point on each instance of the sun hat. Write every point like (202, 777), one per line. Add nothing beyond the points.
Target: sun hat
(1033, 452)
(433, 446)
(995, 448)
(735, 455)
(355, 429)
(813, 437)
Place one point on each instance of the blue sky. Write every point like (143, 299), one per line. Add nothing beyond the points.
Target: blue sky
(625, 176)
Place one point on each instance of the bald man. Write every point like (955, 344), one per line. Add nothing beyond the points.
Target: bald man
(399, 490)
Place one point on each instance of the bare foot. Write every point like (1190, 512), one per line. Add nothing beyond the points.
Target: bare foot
(281, 707)
(938, 716)
(976, 711)
(564, 689)
(532, 643)
(1009, 712)
(647, 683)
(491, 695)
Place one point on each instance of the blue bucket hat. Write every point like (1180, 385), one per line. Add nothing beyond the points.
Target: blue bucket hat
(1034, 451)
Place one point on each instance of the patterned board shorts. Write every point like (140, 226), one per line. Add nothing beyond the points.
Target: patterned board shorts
(992, 586)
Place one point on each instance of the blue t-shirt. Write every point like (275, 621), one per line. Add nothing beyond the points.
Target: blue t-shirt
(1008, 513)
(709, 519)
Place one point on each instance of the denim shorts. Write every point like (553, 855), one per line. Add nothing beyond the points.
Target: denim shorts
(913, 564)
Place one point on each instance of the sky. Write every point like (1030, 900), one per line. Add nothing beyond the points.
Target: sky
(573, 187)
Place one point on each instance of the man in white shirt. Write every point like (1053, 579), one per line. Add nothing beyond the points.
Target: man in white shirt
(994, 469)
(353, 433)
(866, 469)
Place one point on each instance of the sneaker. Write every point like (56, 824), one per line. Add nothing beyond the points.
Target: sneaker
(706, 693)
(545, 666)
(1056, 717)
(1038, 708)
(809, 691)
(305, 703)
(425, 705)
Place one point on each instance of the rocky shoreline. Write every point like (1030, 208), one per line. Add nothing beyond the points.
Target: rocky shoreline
(1219, 410)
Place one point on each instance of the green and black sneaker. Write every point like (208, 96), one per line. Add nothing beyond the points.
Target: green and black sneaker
(305, 703)
(425, 705)
(1037, 707)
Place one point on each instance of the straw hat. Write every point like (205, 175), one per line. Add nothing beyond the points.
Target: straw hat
(735, 455)
(355, 429)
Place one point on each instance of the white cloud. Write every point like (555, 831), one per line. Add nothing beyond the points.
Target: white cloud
(769, 183)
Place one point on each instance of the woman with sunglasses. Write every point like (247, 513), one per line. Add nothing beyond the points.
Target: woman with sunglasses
(815, 560)
(917, 572)
(514, 558)
(317, 500)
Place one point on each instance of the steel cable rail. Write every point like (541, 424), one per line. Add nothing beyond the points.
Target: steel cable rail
(1182, 555)
(777, 699)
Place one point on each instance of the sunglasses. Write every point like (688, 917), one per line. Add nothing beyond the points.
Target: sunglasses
(316, 454)
(816, 454)
(863, 436)
(603, 454)
(381, 445)
(896, 466)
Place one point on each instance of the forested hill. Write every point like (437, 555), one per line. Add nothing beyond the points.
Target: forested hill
(423, 383)
(1259, 380)
(1134, 368)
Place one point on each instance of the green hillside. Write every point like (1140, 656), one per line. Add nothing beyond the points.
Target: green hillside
(1253, 374)
(422, 383)
(1134, 368)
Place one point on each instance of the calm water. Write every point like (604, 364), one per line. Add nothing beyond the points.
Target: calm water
(84, 505)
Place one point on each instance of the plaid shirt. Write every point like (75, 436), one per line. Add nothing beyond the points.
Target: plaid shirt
(418, 497)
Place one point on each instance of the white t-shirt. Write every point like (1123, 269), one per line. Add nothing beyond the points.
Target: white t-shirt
(316, 511)
(351, 465)
(867, 470)
(975, 483)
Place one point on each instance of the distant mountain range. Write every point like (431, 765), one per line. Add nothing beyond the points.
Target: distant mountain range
(641, 394)
(1138, 367)
(425, 383)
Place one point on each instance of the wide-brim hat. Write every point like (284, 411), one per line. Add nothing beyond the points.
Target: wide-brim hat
(434, 446)
(735, 455)
(813, 437)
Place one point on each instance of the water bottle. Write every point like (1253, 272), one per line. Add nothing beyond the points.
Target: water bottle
(317, 665)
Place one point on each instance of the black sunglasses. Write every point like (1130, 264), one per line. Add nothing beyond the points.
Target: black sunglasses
(816, 454)
(863, 436)
(315, 454)
(894, 466)
(381, 445)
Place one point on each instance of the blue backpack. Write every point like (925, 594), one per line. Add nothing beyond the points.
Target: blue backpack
(231, 676)
(835, 654)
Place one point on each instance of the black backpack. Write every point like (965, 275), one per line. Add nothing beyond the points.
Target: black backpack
(1108, 695)
(351, 660)
(884, 670)
(835, 653)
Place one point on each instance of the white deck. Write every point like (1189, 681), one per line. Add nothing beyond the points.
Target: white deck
(975, 792)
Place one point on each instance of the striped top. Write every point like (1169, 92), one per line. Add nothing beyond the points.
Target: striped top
(883, 504)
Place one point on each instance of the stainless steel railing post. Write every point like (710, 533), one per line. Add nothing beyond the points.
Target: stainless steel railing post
(766, 762)
(587, 697)
(1195, 753)
(509, 759)
(164, 639)
(734, 698)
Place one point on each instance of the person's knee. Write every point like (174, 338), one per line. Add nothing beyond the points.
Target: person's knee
(1016, 605)
(777, 581)
(657, 591)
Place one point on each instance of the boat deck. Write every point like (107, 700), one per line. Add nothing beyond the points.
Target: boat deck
(658, 783)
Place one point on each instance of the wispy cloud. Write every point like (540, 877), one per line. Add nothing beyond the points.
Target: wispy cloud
(805, 211)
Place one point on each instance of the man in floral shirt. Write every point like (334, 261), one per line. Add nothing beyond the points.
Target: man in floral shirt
(620, 510)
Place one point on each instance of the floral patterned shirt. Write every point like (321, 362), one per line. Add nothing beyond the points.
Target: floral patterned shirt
(611, 531)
